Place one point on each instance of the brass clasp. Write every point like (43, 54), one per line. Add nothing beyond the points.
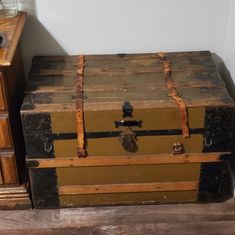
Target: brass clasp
(177, 148)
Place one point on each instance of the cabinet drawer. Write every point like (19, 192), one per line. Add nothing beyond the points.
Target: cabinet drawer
(1, 180)
(5, 135)
(2, 96)
(8, 168)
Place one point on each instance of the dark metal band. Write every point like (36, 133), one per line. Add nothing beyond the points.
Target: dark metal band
(108, 134)
(44, 188)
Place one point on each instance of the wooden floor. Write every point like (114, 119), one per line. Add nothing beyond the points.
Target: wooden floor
(178, 219)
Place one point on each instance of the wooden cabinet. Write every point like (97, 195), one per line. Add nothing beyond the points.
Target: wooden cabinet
(13, 176)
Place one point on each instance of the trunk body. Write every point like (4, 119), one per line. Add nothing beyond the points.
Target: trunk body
(133, 138)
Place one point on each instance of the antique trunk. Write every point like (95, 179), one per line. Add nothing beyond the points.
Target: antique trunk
(122, 129)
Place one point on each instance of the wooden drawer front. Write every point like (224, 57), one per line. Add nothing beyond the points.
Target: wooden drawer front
(8, 168)
(5, 137)
(1, 179)
(2, 96)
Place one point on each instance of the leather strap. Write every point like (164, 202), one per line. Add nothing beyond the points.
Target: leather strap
(172, 92)
(79, 106)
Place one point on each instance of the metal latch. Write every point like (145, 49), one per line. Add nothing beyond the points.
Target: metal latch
(129, 123)
(129, 139)
(127, 135)
(208, 140)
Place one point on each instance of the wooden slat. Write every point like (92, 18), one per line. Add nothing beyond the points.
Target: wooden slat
(105, 85)
(112, 79)
(11, 196)
(13, 190)
(174, 219)
(128, 160)
(142, 70)
(145, 56)
(148, 62)
(192, 94)
(91, 82)
(38, 60)
(28, 108)
(35, 88)
(127, 188)
(121, 67)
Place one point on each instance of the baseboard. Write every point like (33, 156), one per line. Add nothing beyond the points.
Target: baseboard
(14, 197)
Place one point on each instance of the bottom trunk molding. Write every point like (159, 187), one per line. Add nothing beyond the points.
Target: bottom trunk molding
(128, 160)
(127, 188)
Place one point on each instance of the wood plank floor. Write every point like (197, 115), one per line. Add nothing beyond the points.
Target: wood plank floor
(187, 219)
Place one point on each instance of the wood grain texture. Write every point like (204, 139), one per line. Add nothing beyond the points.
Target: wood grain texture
(191, 228)
(110, 80)
(128, 160)
(185, 219)
(9, 171)
(2, 94)
(145, 56)
(5, 137)
(1, 180)
(127, 188)
(13, 190)
(12, 28)
(14, 197)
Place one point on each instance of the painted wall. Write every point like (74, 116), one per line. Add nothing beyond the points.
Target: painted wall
(229, 55)
(118, 26)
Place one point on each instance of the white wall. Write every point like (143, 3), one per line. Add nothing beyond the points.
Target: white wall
(118, 26)
(229, 55)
